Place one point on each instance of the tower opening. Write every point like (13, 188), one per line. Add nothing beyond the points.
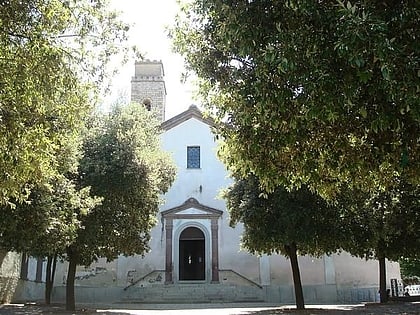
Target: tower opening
(148, 104)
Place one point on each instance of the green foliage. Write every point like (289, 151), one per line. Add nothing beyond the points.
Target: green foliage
(123, 163)
(383, 223)
(410, 267)
(53, 61)
(47, 223)
(310, 92)
(283, 218)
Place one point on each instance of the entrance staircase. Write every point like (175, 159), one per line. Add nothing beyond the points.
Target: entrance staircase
(193, 293)
(233, 287)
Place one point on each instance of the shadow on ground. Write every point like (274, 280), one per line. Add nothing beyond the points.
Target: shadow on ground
(34, 309)
(371, 309)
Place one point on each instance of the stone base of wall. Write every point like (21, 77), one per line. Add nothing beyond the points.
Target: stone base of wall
(216, 293)
(84, 294)
(321, 294)
(29, 291)
(318, 294)
(352, 295)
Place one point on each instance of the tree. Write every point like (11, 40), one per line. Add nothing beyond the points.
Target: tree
(53, 62)
(382, 225)
(46, 224)
(410, 267)
(286, 222)
(124, 164)
(310, 92)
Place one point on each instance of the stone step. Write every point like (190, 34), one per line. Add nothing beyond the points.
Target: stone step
(193, 293)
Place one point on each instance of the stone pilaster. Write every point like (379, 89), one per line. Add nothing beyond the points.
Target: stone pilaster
(214, 251)
(168, 261)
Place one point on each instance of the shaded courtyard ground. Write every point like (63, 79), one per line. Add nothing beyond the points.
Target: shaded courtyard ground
(213, 309)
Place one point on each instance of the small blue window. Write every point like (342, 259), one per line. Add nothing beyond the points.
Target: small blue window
(193, 157)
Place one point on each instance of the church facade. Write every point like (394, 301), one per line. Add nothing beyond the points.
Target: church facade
(195, 255)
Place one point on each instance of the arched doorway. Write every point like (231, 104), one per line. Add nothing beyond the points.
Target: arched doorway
(192, 254)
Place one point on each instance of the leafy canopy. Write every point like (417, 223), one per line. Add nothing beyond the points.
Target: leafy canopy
(410, 268)
(283, 218)
(122, 163)
(323, 93)
(49, 219)
(47, 223)
(53, 62)
(382, 223)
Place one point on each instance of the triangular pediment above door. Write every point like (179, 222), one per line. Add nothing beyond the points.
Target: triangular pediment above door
(192, 208)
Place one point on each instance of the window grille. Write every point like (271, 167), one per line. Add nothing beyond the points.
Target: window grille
(193, 157)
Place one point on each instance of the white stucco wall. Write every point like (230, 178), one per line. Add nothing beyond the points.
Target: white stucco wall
(353, 271)
(212, 173)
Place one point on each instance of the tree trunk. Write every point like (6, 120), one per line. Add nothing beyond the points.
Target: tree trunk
(3, 254)
(49, 281)
(54, 268)
(23, 267)
(383, 295)
(48, 284)
(297, 283)
(70, 299)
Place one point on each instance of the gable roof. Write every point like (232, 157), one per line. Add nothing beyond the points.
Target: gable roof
(191, 112)
(208, 212)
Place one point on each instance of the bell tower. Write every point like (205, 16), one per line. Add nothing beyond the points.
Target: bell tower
(148, 87)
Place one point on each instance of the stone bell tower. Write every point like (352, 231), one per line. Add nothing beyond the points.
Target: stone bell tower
(148, 87)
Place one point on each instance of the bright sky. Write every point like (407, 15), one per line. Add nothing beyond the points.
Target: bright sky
(150, 17)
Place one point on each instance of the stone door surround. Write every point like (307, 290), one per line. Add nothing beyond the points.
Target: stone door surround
(206, 212)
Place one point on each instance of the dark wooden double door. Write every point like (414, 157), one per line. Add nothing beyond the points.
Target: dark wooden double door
(192, 264)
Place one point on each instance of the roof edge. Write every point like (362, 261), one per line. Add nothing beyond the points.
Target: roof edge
(191, 112)
(192, 203)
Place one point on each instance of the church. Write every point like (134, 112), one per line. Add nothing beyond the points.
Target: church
(195, 255)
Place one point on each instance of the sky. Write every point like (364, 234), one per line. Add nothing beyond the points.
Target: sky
(149, 19)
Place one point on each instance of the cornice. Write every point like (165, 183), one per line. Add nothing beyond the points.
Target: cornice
(191, 112)
(209, 212)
